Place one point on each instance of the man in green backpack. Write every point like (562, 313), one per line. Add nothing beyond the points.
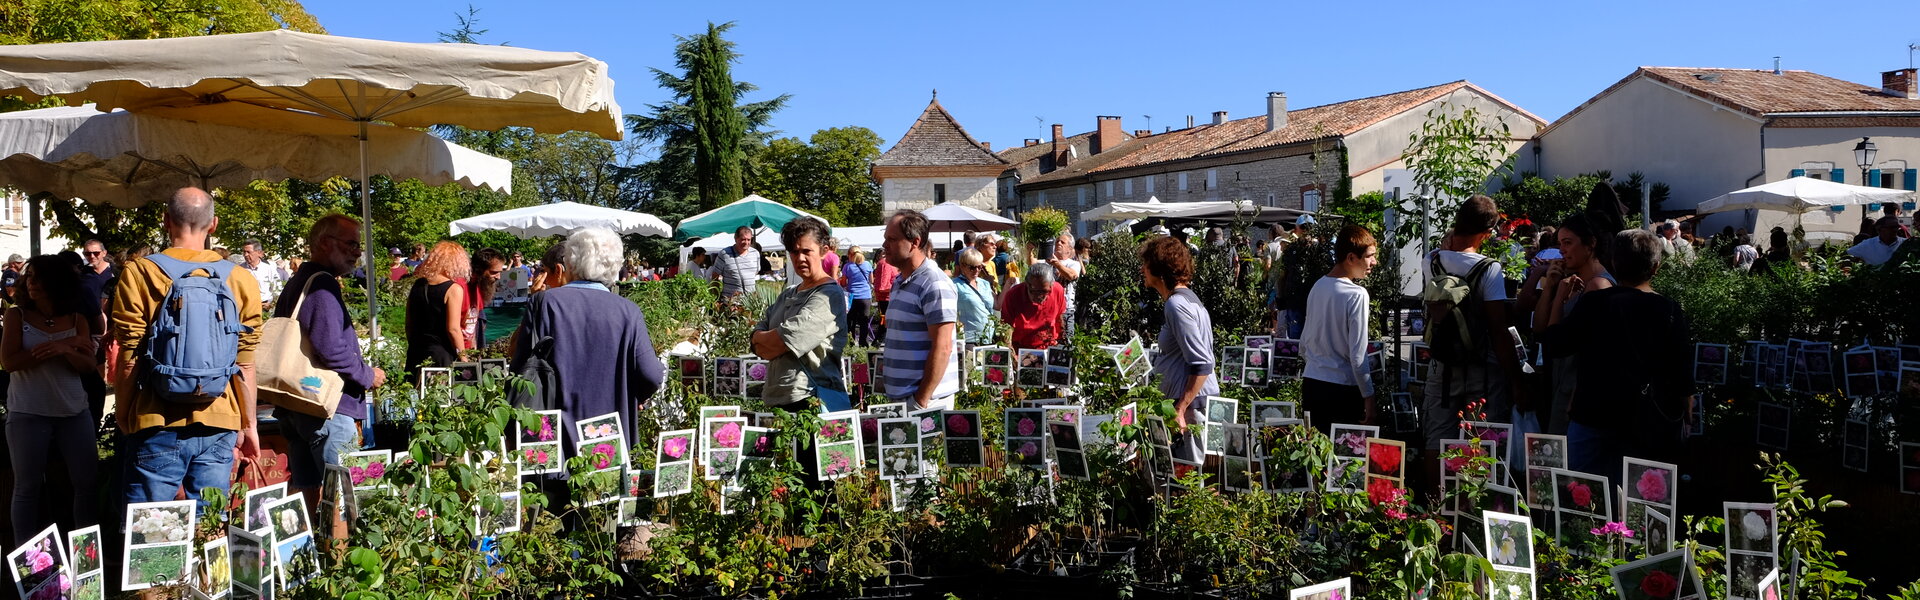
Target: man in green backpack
(1467, 330)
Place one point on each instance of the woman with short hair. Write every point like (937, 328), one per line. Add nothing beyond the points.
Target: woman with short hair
(437, 309)
(803, 333)
(602, 358)
(1185, 361)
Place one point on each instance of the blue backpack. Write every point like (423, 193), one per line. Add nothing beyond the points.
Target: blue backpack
(192, 346)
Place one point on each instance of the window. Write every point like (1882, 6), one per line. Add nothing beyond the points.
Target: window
(1183, 181)
(1109, 189)
(939, 193)
(1212, 181)
(1126, 185)
(1080, 196)
(1043, 198)
(1892, 174)
(1149, 184)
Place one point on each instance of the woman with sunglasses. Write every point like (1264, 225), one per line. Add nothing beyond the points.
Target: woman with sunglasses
(976, 298)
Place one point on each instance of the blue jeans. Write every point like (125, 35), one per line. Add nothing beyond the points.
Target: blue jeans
(33, 441)
(313, 443)
(168, 458)
(1595, 451)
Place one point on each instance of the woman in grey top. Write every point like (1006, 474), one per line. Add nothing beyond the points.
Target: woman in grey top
(1185, 360)
(804, 332)
(46, 349)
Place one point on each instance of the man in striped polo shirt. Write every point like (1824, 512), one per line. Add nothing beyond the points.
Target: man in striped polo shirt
(922, 318)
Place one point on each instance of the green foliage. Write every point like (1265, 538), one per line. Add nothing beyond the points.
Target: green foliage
(1042, 225)
(1452, 156)
(1832, 299)
(718, 128)
(1111, 298)
(1545, 202)
(825, 175)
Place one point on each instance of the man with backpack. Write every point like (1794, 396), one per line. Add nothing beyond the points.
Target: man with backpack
(187, 322)
(1467, 320)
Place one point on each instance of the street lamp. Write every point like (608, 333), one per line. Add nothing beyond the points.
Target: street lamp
(1863, 154)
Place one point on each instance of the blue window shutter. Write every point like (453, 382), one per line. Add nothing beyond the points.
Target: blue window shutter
(1839, 175)
(1797, 173)
(1908, 178)
(1873, 178)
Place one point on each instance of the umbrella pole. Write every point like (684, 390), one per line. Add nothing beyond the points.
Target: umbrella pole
(366, 241)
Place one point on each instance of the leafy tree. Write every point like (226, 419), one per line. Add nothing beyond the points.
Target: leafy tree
(673, 124)
(1546, 202)
(1452, 156)
(718, 129)
(827, 175)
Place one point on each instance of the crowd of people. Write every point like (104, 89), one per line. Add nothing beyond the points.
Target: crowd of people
(79, 322)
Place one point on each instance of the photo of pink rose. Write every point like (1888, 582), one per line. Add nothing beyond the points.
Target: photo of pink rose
(1652, 485)
(727, 436)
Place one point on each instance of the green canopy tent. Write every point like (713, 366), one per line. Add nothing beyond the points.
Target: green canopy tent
(751, 211)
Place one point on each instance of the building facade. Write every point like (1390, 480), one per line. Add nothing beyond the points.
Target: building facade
(1707, 131)
(936, 161)
(1286, 158)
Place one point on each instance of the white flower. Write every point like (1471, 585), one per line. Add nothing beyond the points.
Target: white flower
(1755, 526)
(289, 521)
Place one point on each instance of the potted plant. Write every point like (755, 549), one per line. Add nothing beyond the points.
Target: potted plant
(1039, 227)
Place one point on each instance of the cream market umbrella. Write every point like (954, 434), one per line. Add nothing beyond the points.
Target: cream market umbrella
(561, 218)
(128, 159)
(1800, 195)
(356, 80)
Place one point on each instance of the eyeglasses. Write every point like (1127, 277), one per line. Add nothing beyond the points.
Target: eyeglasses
(95, 253)
(353, 243)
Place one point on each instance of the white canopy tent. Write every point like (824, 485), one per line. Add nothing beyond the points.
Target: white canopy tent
(128, 159)
(562, 218)
(953, 217)
(1220, 210)
(1800, 195)
(358, 81)
(1827, 211)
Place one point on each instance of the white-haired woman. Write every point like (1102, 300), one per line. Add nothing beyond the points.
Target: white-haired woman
(596, 340)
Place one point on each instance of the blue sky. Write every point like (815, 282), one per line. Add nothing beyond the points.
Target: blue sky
(998, 65)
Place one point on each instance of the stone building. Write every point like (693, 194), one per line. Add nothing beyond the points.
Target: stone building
(1706, 131)
(936, 161)
(1288, 158)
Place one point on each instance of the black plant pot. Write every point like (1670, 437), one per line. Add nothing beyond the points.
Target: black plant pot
(1042, 249)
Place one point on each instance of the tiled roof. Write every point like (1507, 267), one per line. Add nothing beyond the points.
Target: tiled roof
(936, 140)
(1241, 135)
(1019, 155)
(1760, 92)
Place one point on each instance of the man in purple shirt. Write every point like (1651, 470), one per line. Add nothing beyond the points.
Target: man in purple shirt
(312, 442)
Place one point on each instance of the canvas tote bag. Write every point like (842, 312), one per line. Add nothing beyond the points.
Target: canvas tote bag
(284, 367)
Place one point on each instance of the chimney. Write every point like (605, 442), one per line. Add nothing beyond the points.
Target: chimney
(1030, 142)
(987, 146)
(1776, 65)
(1276, 111)
(1140, 133)
(1107, 133)
(1061, 147)
(1189, 121)
(1219, 117)
(1901, 83)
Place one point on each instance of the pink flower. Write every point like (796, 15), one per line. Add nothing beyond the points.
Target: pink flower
(537, 456)
(757, 372)
(39, 561)
(359, 474)
(1029, 450)
(1126, 418)
(870, 427)
(958, 425)
(603, 455)
(728, 436)
(1026, 427)
(1652, 485)
(926, 424)
(1659, 584)
(420, 514)
(1613, 528)
(376, 469)
(545, 432)
(762, 444)
(675, 447)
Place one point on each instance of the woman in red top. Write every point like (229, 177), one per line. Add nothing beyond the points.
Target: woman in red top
(488, 265)
(883, 275)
